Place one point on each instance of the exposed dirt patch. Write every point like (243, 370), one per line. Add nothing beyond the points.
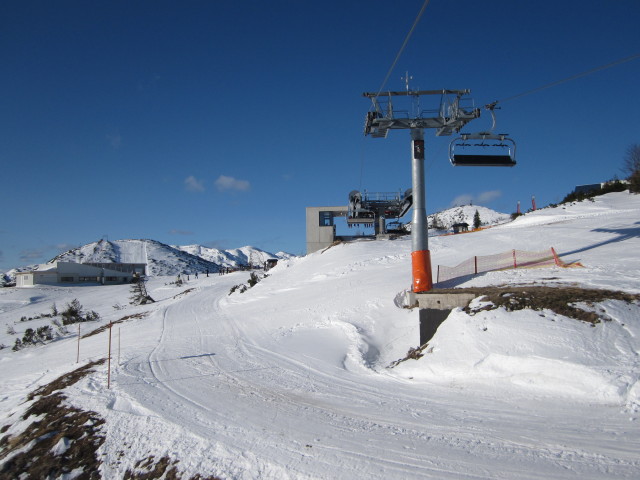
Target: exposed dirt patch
(65, 380)
(150, 468)
(561, 300)
(336, 242)
(62, 438)
(412, 354)
(123, 319)
(188, 290)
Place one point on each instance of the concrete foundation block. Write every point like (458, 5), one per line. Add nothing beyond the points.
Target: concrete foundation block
(434, 308)
(430, 320)
(439, 301)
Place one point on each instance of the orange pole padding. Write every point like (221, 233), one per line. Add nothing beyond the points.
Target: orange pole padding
(421, 268)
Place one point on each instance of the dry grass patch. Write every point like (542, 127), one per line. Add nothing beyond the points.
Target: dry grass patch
(123, 319)
(62, 439)
(561, 300)
(188, 290)
(150, 468)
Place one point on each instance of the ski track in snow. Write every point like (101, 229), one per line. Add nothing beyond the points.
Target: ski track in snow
(261, 379)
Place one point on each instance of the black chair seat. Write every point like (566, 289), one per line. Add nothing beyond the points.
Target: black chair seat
(482, 161)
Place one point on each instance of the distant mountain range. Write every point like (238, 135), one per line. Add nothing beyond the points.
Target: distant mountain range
(162, 259)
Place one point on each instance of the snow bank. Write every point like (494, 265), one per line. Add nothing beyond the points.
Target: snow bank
(542, 352)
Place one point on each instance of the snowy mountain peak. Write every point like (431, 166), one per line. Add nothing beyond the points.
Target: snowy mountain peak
(464, 214)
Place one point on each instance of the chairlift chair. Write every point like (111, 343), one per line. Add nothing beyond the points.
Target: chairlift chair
(502, 149)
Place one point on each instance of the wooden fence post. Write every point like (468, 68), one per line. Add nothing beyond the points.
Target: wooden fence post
(109, 359)
(78, 356)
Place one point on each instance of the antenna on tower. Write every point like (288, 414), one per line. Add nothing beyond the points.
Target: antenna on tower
(406, 79)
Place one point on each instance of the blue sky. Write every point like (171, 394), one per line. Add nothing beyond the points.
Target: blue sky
(218, 122)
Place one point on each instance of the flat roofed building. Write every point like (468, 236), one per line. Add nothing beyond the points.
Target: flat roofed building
(58, 273)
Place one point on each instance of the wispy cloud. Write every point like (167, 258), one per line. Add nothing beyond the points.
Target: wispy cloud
(192, 184)
(220, 244)
(224, 183)
(476, 199)
(486, 197)
(464, 199)
(45, 252)
(180, 232)
(33, 254)
(146, 84)
(115, 140)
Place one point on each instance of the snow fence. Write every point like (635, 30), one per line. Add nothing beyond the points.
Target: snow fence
(502, 261)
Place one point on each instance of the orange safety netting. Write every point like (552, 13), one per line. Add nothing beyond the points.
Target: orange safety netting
(502, 261)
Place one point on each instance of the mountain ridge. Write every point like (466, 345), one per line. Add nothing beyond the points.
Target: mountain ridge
(161, 259)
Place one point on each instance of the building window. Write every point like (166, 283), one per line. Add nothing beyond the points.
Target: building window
(66, 279)
(326, 219)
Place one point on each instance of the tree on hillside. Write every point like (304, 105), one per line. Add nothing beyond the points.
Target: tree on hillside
(437, 223)
(631, 167)
(476, 220)
(139, 295)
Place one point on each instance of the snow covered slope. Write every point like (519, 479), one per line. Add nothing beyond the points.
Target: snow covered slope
(290, 379)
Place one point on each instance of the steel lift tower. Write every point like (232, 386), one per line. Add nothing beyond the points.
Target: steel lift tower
(450, 117)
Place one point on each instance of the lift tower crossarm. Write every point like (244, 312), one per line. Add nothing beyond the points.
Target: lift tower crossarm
(449, 118)
(417, 92)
